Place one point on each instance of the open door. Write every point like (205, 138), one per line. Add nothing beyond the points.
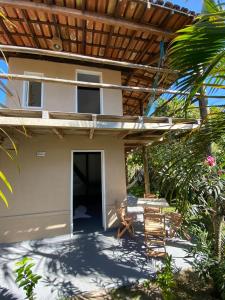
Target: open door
(87, 191)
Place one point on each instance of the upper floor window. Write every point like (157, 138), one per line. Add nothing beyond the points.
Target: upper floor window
(33, 92)
(89, 99)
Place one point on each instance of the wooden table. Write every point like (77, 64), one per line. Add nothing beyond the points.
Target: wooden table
(138, 210)
(154, 202)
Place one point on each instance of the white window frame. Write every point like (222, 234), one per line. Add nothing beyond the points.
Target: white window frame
(25, 91)
(103, 182)
(83, 71)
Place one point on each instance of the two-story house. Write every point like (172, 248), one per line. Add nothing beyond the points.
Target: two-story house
(81, 77)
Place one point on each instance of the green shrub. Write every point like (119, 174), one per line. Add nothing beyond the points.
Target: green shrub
(165, 278)
(26, 278)
(205, 264)
(137, 190)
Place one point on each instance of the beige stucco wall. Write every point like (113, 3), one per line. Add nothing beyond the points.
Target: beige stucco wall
(58, 97)
(40, 205)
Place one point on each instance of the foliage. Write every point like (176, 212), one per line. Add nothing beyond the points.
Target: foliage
(137, 190)
(205, 264)
(3, 177)
(198, 52)
(165, 278)
(174, 108)
(26, 278)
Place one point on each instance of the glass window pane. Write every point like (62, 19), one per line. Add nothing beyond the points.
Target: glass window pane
(88, 77)
(34, 94)
(88, 99)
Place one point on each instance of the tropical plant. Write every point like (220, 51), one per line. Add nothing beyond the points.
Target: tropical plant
(10, 156)
(198, 53)
(26, 278)
(205, 264)
(175, 109)
(5, 135)
(165, 278)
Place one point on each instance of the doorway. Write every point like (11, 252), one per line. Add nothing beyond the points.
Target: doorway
(87, 186)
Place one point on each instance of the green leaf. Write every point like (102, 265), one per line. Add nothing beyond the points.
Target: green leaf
(2, 196)
(6, 182)
(23, 283)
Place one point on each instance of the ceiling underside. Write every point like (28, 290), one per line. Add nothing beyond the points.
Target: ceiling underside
(86, 27)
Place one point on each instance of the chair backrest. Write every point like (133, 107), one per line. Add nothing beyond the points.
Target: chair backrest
(122, 213)
(175, 219)
(149, 195)
(154, 221)
(151, 209)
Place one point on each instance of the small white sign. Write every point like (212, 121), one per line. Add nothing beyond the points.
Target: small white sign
(41, 154)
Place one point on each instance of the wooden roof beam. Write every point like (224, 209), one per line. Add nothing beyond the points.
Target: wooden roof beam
(58, 133)
(30, 27)
(86, 15)
(92, 130)
(7, 32)
(91, 59)
(76, 27)
(24, 131)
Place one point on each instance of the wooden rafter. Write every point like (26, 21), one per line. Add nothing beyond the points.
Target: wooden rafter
(58, 133)
(86, 58)
(7, 32)
(30, 27)
(88, 16)
(79, 28)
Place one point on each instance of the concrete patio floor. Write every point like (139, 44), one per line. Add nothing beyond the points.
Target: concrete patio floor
(87, 262)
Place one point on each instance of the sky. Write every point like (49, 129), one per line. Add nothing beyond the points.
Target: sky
(194, 5)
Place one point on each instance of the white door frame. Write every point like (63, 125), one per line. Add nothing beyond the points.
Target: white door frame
(102, 152)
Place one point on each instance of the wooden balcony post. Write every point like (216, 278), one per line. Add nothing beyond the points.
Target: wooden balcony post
(146, 170)
(126, 168)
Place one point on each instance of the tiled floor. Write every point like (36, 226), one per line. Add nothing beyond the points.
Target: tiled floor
(86, 262)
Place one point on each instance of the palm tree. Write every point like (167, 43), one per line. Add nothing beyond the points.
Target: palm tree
(198, 53)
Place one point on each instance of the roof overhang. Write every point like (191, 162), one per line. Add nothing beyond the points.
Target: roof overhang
(126, 31)
(134, 131)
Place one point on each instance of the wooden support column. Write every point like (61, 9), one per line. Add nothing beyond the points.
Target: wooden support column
(146, 170)
(126, 170)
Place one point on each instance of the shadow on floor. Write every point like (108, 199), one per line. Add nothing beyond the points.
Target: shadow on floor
(84, 263)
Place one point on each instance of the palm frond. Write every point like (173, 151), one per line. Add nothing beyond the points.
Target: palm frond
(198, 52)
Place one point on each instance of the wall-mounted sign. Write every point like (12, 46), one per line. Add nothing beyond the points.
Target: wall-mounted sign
(41, 154)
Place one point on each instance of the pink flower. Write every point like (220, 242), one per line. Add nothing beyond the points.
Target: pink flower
(211, 161)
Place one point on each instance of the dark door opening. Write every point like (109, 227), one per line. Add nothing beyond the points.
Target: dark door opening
(87, 191)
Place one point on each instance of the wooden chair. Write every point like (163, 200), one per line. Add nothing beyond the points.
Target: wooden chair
(175, 222)
(149, 195)
(126, 223)
(155, 234)
(151, 209)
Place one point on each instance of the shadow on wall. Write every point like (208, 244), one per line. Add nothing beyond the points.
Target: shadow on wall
(32, 227)
(69, 267)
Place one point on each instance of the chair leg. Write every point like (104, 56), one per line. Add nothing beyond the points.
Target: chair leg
(121, 232)
(130, 230)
